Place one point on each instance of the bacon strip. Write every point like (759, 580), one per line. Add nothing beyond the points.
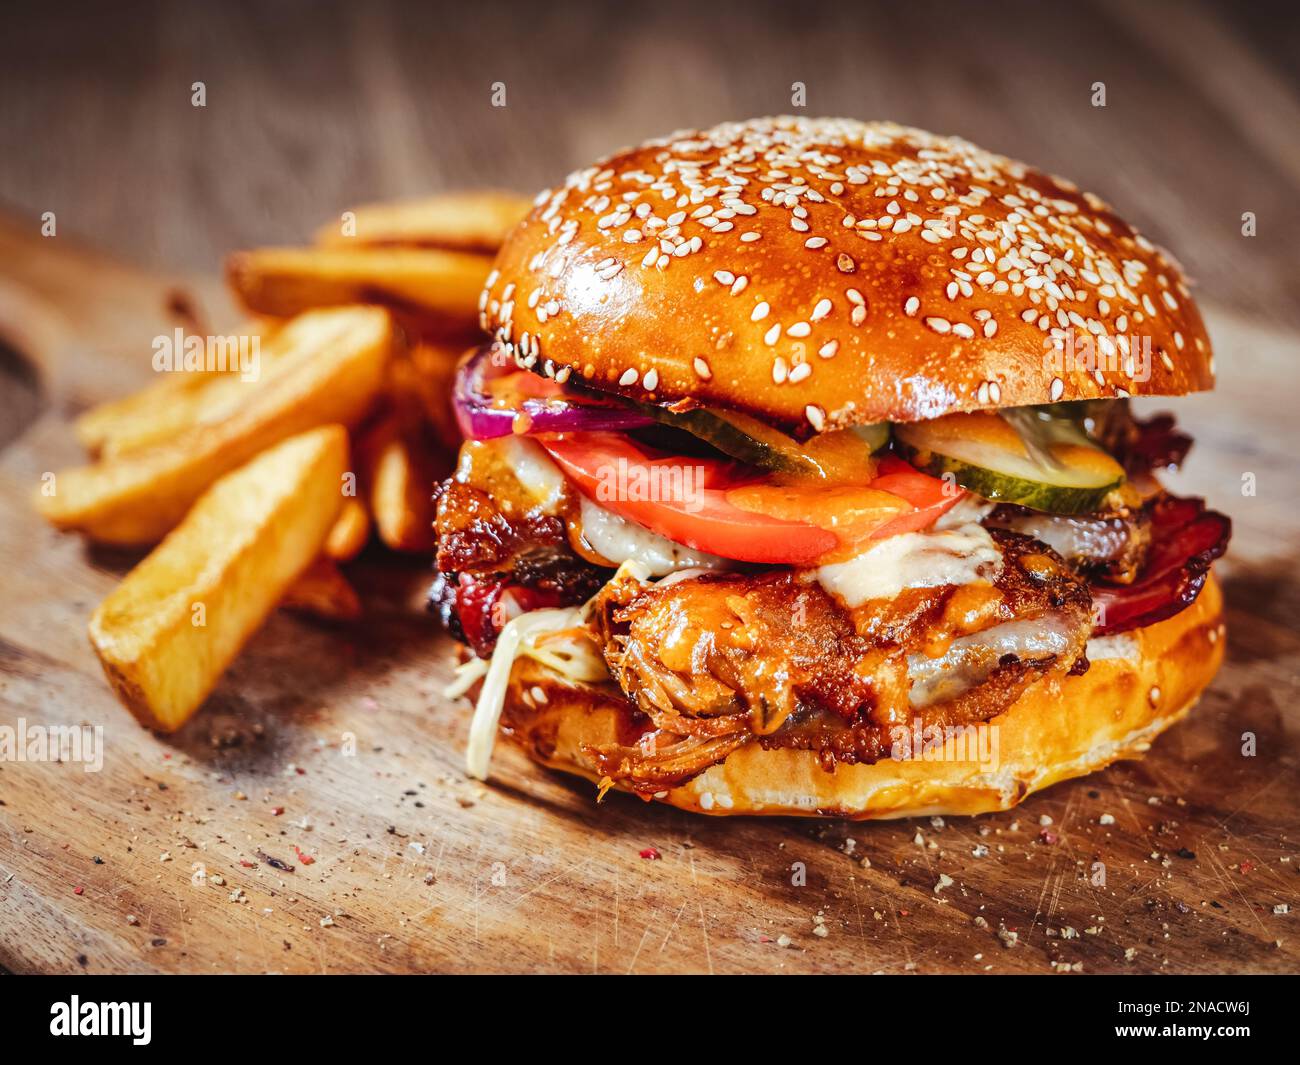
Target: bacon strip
(1155, 444)
(1185, 539)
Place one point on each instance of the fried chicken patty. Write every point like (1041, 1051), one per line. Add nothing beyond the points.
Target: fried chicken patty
(714, 662)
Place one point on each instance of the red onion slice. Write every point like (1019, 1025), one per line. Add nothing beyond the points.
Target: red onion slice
(480, 418)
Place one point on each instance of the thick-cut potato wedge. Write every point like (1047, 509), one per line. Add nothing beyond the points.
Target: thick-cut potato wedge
(207, 399)
(422, 281)
(164, 406)
(399, 475)
(332, 372)
(167, 632)
(466, 221)
(350, 532)
(323, 592)
(428, 376)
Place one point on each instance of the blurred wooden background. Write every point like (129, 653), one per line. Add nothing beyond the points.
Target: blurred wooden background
(314, 106)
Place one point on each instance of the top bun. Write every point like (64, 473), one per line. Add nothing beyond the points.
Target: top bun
(820, 273)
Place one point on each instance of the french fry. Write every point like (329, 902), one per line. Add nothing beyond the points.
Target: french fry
(117, 426)
(168, 631)
(323, 592)
(209, 399)
(332, 371)
(424, 281)
(466, 221)
(399, 476)
(428, 376)
(214, 397)
(350, 532)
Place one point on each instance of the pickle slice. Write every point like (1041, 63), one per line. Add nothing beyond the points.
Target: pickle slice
(1021, 455)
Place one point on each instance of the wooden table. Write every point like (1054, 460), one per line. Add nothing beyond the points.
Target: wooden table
(166, 860)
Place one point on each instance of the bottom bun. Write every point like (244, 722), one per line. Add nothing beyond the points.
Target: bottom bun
(1139, 684)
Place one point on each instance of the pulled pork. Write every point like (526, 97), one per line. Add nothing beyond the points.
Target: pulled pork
(494, 564)
(718, 661)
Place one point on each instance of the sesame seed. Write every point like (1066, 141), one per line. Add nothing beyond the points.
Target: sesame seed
(650, 380)
(629, 377)
(760, 311)
(702, 368)
(816, 417)
(799, 372)
(828, 350)
(773, 334)
(1044, 249)
(779, 371)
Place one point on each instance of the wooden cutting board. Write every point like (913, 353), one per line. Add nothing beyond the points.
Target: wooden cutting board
(314, 817)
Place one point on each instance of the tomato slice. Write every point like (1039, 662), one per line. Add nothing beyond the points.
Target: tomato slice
(684, 499)
(930, 496)
(693, 501)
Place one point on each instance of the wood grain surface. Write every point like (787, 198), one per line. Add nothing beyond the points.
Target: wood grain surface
(333, 743)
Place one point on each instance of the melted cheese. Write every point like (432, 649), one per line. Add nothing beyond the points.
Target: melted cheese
(970, 660)
(928, 559)
(535, 471)
(619, 540)
(967, 510)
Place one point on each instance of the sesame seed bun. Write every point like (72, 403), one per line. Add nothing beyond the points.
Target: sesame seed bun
(819, 273)
(1061, 727)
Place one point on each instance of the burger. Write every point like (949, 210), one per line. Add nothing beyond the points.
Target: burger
(800, 477)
